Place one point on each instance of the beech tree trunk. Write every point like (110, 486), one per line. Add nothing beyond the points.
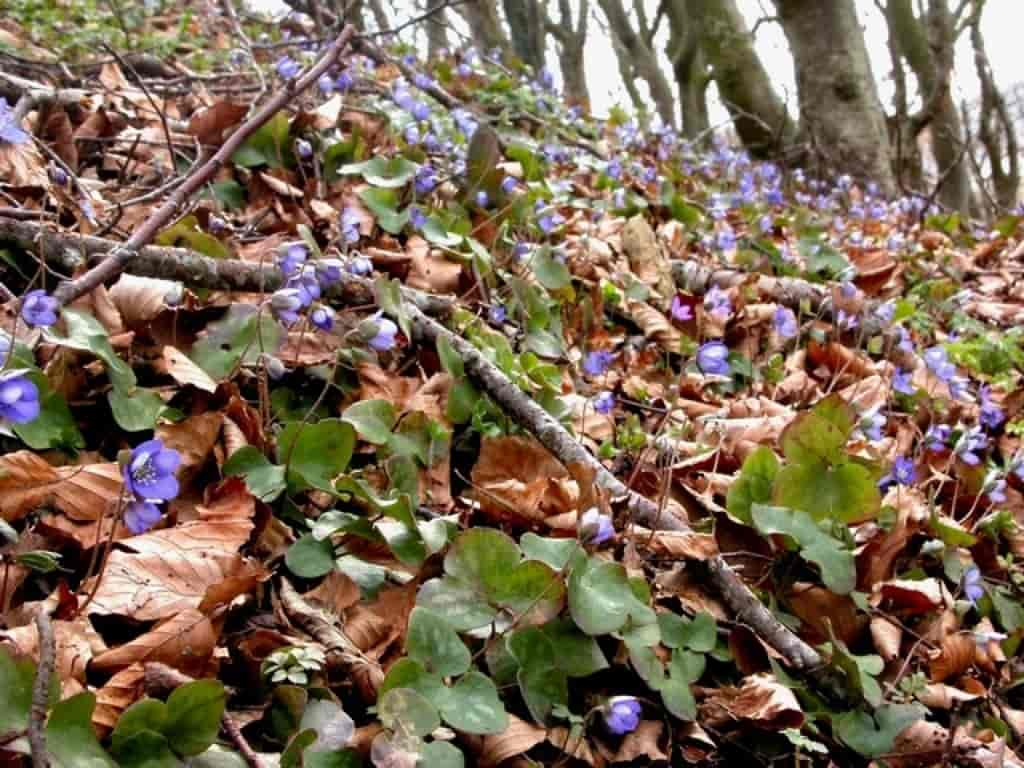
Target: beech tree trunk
(839, 107)
(571, 38)
(485, 25)
(760, 116)
(437, 32)
(689, 67)
(526, 21)
(640, 58)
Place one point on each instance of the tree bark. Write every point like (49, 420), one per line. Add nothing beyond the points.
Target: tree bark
(526, 21)
(688, 66)
(927, 45)
(760, 116)
(437, 32)
(484, 25)
(642, 59)
(839, 107)
(571, 38)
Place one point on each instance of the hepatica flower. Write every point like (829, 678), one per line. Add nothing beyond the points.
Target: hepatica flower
(293, 256)
(903, 472)
(287, 67)
(286, 303)
(417, 217)
(622, 714)
(595, 528)
(974, 586)
(596, 363)
(970, 443)
(39, 308)
(713, 358)
(149, 477)
(604, 403)
(497, 314)
(680, 310)
(482, 199)
(994, 486)
(937, 436)
(990, 415)
(384, 339)
(322, 318)
(871, 424)
(902, 382)
(11, 131)
(508, 185)
(349, 225)
(19, 398)
(937, 360)
(717, 303)
(784, 322)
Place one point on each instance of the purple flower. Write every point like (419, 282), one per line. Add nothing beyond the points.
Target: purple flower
(717, 303)
(614, 168)
(958, 387)
(508, 185)
(304, 149)
(292, 258)
(546, 79)
(326, 84)
(140, 516)
(11, 131)
(974, 587)
(937, 436)
(994, 485)
(39, 309)
(344, 82)
(713, 358)
(328, 271)
(604, 402)
(417, 217)
(846, 322)
(287, 67)
(725, 240)
(421, 81)
(19, 398)
(680, 310)
(550, 222)
(420, 111)
(990, 415)
(349, 224)
(286, 303)
(969, 444)
(481, 198)
(385, 336)
(903, 472)
(425, 180)
(766, 224)
(322, 318)
(5, 348)
(905, 344)
(1016, 465)
(886, 311)
(217, 225)
(901, 382)
(149, 473)
(784, 322)
(360, 265)
(496, 314)
(937, 360)
(464, 70)
(596, 363)
(59, 175)
(871, 424)
(307, 285)
(520, 250)
(622, 714)
(595, 528)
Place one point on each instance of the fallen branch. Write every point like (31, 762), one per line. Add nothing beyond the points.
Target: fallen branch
(161, 679)
(41, 692)
(112, 266)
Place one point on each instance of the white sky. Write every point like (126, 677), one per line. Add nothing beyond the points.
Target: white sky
(1001, 26)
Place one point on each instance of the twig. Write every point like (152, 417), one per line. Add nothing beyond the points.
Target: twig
(111, 267)
(41, 692)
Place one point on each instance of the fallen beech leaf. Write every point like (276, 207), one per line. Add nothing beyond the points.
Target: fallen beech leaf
(181, 368)
(760, 699)
(429, 270)
(655, 325)
(817, 607)
(208, 125)
(185, 641)
(954, 656)
(193, 438)
(280, 187)
(646, 260)
(119, 693)
(914, 597)
(27, 482)
(517, 739)
(942, 696)
(516, 478)
(887, 637)
(74, 641)
(679, 545)
(641, 743)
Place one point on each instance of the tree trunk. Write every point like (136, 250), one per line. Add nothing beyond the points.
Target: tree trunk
(571, 39)
(688, 66)
(760, 116)
(526, 21)
(437, 32)
(642, 59)
(484, 25)
(930, 55)
(839, 107)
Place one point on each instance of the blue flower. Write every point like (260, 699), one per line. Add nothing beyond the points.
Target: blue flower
(508, 185)
(604, 402)
(19, 398)
(359, 265)
(784, 322)
(846, 322)
(417, 217)
(481, 198)
(59, 175)
(322, 318)
(974, 587)
(716, 302)
(344, 82)
(292, 258)
(725, 240)
(328, 271)
(307, 285)
(287, 67)
(425, 180)
(969, 444)
(622, 714)
(386, 332)
(990, 415)
(349, 224)
(886, 311)
(420, 111)
(304, 149)
(11, 131)
(871, 424)
(596, 363)
(901, 382)
(140, 516)
(681, 311)
(905, 344)
(994, 485)
(286, 303)
(614, 168)
(937, 360)
(412, 134)
(326, 84)
(149, 473)
(903, 472)
(39, 308)
(595, 528)
(938, 436)
(496, 314)
(713, 358)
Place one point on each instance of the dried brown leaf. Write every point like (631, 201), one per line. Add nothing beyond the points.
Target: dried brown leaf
(761, 700)
(517, 739)
(208, 125)
(27, 482)
(185, 641)
(181, 368)
(954, 656)
(119, 693)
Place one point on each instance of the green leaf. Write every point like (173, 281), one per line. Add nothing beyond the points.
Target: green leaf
(441, 754)
(819, 435)
(144, 715)
(1008, 608)
(85, 333)
(838, 570)
(543, 688)
(70, 739)
(754, 484)
(532, 587)
(451, 361)
(383, 203)
(339, 758)
(54, 427)
(268, 145)
(309, 557)
(372, 419)
(550, 272)
(578, 655)
(435, 644)
(136, 411)
(219, 757)
(407, 712)
(238, 338)
(16, 680)
(315, 454)
(435, 232)
(554, 552)
(860, 671)
(389, 298)
(684, 668)
(407, 673)
(381, 171)
(263, 479)
(844, 492)
(145, 749)
(186, 233)
(482, 158)
(482, 558)
(229, 193)
(600, 597)
(460, 604)
(193, 716)
(698, 634)
(462, 400)
(875, 736)
(473, 706)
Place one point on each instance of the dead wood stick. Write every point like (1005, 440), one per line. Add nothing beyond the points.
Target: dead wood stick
(112, 266)
(41, 692)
